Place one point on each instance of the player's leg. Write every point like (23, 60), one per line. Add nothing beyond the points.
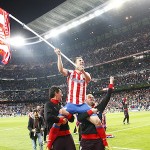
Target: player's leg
(69, 143)
(52, 135)
(100, 130)
(96, 121)
(86, 144)
(55, 128)
(127, 118)
(99, 146)
(124, 117)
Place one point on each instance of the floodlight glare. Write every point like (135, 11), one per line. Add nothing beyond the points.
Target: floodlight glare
(17, 41)
(73, 24)
(63, 29)
(109, 6)
(76, 23)
(52, 33)
(91, 16)
(98, 12)
(82, 20)
(117, 3)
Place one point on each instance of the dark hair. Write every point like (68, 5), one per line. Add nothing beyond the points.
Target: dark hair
(53, 90)
(35, 110)
(77, 58)
(31, 110)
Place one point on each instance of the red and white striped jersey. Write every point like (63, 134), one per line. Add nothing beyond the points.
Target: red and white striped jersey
(76, 87)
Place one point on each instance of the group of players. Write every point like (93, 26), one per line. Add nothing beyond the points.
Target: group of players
(93, 136)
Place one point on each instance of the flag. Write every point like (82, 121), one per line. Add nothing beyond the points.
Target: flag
(4, 37)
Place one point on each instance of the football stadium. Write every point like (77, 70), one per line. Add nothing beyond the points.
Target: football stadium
(75, 75)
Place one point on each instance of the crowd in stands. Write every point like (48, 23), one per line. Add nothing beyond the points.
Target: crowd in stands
(125, 56)
(19, 109)
(138, 100)
(114, 48)
(127, 72)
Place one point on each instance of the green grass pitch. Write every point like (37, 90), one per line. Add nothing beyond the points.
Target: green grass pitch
(135, 136)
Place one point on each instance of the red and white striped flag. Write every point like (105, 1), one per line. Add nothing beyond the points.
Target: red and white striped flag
(4, 37)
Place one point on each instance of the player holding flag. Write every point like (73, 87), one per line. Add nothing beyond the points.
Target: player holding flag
(77, 82)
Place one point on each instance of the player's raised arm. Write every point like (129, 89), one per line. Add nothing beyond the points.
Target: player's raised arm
(59, 62)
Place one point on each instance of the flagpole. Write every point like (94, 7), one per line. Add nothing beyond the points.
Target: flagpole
(40, 37)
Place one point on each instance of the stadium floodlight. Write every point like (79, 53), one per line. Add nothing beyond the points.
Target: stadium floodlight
(84, 19)
(17, 41)
(97, 12)
(53, 33)
(47, 36)
(73, 24)
(116, 3)
(76, 23)
(63, 29)
(108, 7)
(91, 16)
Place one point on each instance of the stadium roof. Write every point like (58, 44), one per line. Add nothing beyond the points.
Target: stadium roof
(65, 12)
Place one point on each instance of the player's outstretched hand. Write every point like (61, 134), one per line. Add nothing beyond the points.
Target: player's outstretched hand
(95, 110)
(64, 112)
(80, 68)
(57, 51)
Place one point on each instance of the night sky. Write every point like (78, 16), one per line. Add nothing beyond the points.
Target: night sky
(27, 11)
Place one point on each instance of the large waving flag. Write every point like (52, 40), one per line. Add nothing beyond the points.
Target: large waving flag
(4, 37)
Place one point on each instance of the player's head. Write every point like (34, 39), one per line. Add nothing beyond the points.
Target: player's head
(90, 100)
(56, 93)
(36, 114)
(38, 108)
(79, 61)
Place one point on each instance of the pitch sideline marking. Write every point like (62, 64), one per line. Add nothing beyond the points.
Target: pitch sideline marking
(10, 129)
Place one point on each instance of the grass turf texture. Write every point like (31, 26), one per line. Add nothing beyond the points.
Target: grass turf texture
(135, 136)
